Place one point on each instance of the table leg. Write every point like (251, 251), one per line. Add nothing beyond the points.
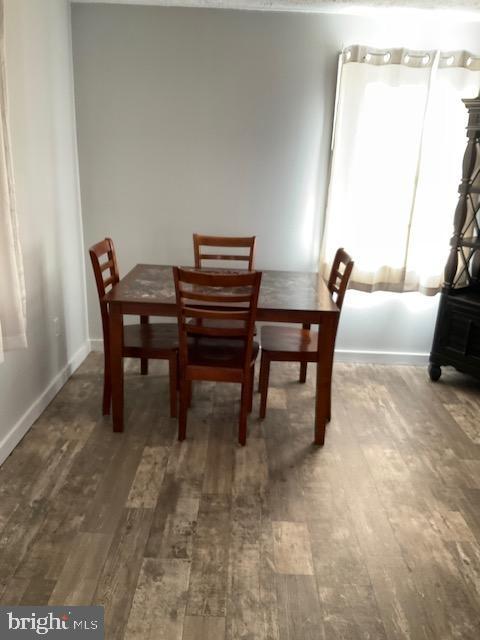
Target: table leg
(326, 344)
(144, 361)
(116, 365)
(303, 365)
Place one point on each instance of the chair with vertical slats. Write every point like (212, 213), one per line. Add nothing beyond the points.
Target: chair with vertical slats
(145, 341)
(223, 350)
(291, 344)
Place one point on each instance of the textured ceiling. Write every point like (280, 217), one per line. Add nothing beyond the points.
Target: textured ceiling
(311, 5)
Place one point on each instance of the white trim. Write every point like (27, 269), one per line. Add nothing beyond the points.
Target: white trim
(381, 357)
(463, 10)
(96, 344)
(344, 355)
(16, 433)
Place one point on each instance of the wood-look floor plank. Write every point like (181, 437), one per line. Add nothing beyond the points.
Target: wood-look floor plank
(350, 611)
(89, 467)
(203, 628)
(209, 574)
(277, 398)
(245, 612)
(186, 465)
(148, 479)
(106, 508)
(466, 416)
(78, 581)
(205, 539)
(31, 456)
(292, 550)
(7, 507)
(51, 546)
(219, 461)
(425, 555)
(56, 470)
(299, 609)
(16, 538)
(284, 487)
(173, 529)
(38, 592)
(159, 601)
(251, 468)
(13, 591)
(268, 587)
(399, 600)
(118, 579)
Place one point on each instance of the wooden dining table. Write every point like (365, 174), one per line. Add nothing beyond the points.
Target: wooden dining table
(285, 296)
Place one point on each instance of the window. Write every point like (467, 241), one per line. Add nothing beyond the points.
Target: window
(399, 138)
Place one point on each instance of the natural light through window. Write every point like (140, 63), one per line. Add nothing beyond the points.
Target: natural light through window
(396, 164)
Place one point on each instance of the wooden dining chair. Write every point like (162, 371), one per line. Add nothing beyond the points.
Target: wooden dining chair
(227, 244)
(218, 352)
(223, 244)
(292, 344)
(145, 341)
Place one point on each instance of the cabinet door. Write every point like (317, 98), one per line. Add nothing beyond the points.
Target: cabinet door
(456, 329)
(460, 336)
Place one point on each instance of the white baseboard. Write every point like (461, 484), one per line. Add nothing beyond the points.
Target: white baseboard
(96, 344)
(16, 433)
(381, 357)
(346, 355)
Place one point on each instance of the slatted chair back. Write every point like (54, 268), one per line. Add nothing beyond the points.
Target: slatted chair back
(339, 276)
(216, 297)
(105, 269)
(222, 250)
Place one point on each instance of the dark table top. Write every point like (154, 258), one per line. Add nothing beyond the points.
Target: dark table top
(302, 295)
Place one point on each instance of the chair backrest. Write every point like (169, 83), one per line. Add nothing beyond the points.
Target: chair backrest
(339, 276)
(226, 243)
(105, 269)
(216, 297)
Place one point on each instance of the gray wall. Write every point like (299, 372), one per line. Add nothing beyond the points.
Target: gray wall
(40, 85)
(220, 122)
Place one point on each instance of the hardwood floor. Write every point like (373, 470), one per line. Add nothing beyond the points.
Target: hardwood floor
(376, 536)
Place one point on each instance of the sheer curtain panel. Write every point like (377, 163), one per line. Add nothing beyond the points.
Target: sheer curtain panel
(12, 285)
(398, 142)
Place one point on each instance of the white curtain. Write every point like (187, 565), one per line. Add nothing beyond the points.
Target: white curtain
(12, 286)
(398, 143)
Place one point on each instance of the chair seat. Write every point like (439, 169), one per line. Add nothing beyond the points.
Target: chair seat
(218, 352)
(153, 340)
(289, 340)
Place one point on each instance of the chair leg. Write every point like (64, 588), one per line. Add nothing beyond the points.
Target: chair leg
(173, 381)
(250, 389)
(242, 427)
(144, 361)
(329, 400)
(264, 376)
(303, 372)
(329, 415)
(107, 385)
(182, 412)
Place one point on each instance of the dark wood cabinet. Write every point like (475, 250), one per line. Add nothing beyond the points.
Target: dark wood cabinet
(456, 340)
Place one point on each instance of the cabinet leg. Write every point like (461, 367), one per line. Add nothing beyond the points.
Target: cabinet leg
(434, 371)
